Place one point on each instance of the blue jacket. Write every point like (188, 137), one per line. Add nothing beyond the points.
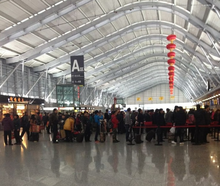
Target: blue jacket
(97, 119)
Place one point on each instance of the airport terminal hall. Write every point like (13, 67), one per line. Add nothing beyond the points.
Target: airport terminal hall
(109, 92)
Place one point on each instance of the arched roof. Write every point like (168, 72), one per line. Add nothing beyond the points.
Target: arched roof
(123, 41)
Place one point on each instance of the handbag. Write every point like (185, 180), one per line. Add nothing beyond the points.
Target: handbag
(172, 130)
(12, 135)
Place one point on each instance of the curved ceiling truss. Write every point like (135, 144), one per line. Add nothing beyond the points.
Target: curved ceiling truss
(129, 29)
(132, 77)
(195, 65)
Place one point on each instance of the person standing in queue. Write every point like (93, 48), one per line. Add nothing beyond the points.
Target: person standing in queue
(115, 125)
(54, 122)
(8, 128)
(208, 122)
(88, 124)
(97, 119)
(78, 123)
(17, 126)
(160, 121)
(69, 128)
(140, 119)
(180, 120)
(26, 125)
(200, 120)
(128, 123)
(49, 127)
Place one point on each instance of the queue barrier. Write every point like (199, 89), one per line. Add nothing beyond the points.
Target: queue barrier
(149, 125)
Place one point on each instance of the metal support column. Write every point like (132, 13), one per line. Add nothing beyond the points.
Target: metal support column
(28, 79)
(16, 83)
(10, 74)
(89, 96)
(40, 91)
(46, 85)
(49, 86)
(23, 79)
(54, 88)
(99, 98)
(64, 81)
(34, 84)
(1, 72)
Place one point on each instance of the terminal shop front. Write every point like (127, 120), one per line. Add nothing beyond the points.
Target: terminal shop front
(18, 105)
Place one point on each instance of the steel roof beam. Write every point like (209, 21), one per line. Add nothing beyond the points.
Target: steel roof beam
(136, 80)
(137, 84)
(136, 67)
(107, 18)
(113, 51)
(126, 57)
(146, 86)
(186, 92)
(128, 65)
(154, 83)
(120, 33)
(216, 3)
(161, 72)
(140, 73)
(51, 13)
(96, 59)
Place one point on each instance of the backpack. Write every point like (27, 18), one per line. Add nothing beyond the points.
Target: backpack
(191, 118)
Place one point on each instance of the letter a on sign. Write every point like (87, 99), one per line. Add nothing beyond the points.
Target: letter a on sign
(75, 66)
(77, 70)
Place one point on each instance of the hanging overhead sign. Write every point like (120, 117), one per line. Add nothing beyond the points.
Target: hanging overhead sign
(77, 70)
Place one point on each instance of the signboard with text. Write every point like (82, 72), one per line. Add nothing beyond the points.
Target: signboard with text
(77, 70)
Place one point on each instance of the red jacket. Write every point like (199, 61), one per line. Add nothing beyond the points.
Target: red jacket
(114, 121)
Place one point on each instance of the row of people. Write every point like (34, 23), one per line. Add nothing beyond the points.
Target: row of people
(117, 121)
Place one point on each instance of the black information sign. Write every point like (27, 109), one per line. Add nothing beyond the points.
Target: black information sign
(77, 70)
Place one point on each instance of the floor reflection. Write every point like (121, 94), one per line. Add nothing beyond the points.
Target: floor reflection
(48, 164)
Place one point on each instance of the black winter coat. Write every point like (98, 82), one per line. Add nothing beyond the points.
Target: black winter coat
(140, 118)
(160, 120)
(180, 118)
(17, 124)
(54, 120)
(207, 118)
(200, 117)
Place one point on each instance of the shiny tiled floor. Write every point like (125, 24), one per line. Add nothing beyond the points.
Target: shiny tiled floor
(105, 164)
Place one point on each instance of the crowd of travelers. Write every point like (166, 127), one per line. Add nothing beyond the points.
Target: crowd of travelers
(67, 126)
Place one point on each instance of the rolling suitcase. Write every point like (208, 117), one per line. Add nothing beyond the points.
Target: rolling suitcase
(150, 135)
(34, 137)
(35, 133)
(102, 137)
(79, 137)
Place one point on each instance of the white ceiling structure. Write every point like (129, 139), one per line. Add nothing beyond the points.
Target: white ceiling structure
(123, 41)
